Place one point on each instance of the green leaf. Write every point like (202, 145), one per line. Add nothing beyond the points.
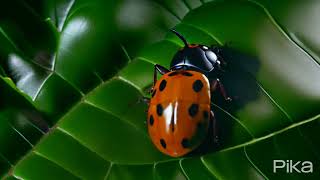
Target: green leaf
(20, 124)
(87, 64)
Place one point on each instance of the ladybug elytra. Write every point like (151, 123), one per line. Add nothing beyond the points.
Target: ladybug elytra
(180, 106)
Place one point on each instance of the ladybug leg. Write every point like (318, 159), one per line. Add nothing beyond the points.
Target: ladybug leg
(158, 68)
(213, 85)
(215, 128)
(217, 84)
(145, 100)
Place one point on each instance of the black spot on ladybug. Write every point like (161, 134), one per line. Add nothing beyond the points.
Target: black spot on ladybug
(163, 85)
(193, 109)
(151, 120)
(197, 85)
(159, 110)
(163, 143)
(153, 92)
(205, 114)
(174, 73)
(185, 143)
(185, 73)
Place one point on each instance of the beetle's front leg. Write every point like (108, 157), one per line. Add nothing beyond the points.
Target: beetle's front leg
(217, 84)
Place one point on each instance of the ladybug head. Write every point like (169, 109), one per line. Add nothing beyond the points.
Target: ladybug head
(195, 57)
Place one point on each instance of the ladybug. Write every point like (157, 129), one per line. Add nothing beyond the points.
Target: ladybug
(179, 110)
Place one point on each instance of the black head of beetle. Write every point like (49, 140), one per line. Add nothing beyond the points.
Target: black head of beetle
(196, 57)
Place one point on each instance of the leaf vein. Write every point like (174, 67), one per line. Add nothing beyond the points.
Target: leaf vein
(182, 169)
(207, 167)
(274, 133)
(168, 10)
(108, 171)
(80, 142)
(21, 135)
(235, 119)
(285, 33)
(56, 163)
(251, 162)
(116, 116)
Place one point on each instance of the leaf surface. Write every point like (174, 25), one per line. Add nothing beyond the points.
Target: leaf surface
(89, 74)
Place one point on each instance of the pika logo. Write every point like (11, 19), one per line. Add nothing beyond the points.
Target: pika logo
(293, 167)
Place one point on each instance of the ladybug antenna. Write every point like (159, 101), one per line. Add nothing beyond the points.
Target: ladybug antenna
(181, 37)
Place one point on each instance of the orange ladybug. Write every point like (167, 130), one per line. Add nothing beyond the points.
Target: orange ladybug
(180, 106)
